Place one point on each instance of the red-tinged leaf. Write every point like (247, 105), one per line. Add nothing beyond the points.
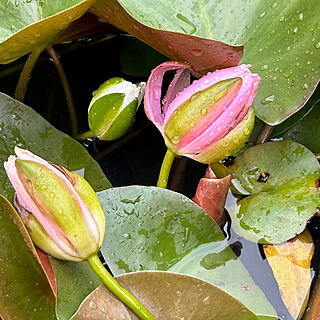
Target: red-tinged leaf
(46, 266)
(211, 194)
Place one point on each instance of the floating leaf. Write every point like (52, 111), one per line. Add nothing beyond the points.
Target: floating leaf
(75, 281)
(280, 39)
(168, 296)
(26, 25)
(282, 179)
(23, 127)
(156, 229)
(24, 289)
(211, 194)
(290, 263)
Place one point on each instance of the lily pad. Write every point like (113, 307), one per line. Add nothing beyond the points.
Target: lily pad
(151, 228)
(24, 288)
(75, 281)
(168, 296)
(23, 127)
(282, 179)
(290, 263)
(279, 38)
(28, 24)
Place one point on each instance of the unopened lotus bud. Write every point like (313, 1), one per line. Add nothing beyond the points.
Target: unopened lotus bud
(207, 120)
(59, 208)
(113, 108)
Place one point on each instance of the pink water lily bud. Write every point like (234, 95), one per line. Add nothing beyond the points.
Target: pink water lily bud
(59, 208)
(207, 120)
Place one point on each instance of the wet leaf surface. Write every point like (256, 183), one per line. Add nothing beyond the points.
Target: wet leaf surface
(290, 263)
(280, 39)
(167, 296)
(26, 25)
(24, 289)
(21, 126)
(151, 228)
(282, 181)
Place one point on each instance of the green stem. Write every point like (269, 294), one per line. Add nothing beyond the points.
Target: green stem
(165, 169)
(122, 294)
(24, 78)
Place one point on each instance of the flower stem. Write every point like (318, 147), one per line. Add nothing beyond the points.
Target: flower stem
(165, 169)
(122, 294)
(67, 91)
(24, 78)
(265, 134)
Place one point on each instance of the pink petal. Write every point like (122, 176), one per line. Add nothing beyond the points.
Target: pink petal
(152, 98)
(211, 194)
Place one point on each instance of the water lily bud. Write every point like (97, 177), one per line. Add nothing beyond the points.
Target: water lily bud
(207, 120)
(59, 208)
(113, 108)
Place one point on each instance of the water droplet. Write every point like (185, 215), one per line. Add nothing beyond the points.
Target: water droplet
(274, 79)
(288, 73)
(295, 30)
(314, 27)
(42, 175)
(179, 293)
(264, 67)
(295, 39)
(197, 52)
(206, 301)
(300, 17)
(51, 195)
(192, 125)
(221, 94)
(305, 86)
(246, 131)
(318, 45)
(260, 50)
(262, 15)
(282, 18)
(43, 187)
(274, 5)
(204, 111)
(267, 99)
(92, 305)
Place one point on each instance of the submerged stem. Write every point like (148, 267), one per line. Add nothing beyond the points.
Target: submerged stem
(67, 92)
(165, 169)
(264, 134)
(122, 294)
(24, 78)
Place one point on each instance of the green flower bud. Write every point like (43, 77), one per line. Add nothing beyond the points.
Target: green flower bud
(113, 108)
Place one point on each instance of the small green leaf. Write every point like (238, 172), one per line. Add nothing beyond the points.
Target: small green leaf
(156, 229)
(168, 296)
(26, 25)
(23, 127)
(282, 181)
(25, 292)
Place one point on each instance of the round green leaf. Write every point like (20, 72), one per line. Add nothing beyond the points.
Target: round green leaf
(280, 39)
(151, 228)
(25, 292)
(26, 25)
(23, 127)
(282, 181)
(168, 296)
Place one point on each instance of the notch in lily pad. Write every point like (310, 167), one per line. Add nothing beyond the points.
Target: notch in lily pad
(113, 108)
